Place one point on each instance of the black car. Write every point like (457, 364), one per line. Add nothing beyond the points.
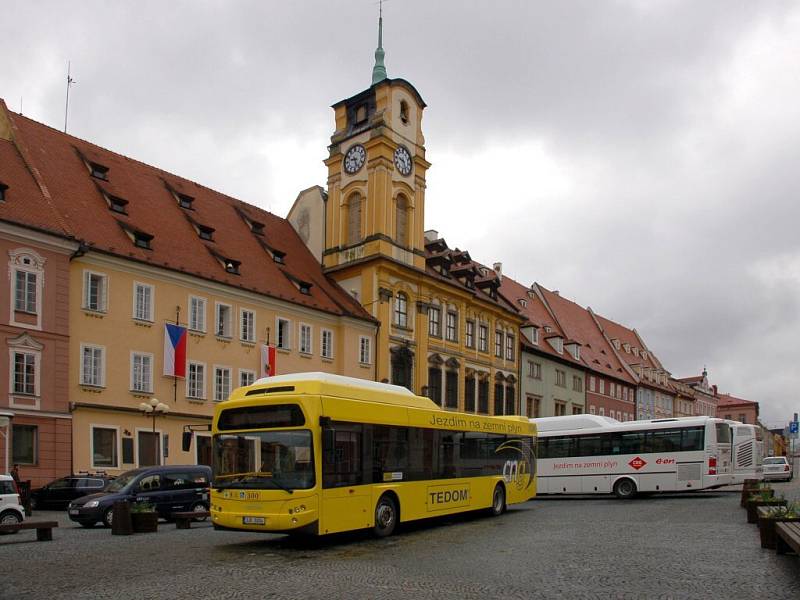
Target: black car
(60, 492)
(170, 489)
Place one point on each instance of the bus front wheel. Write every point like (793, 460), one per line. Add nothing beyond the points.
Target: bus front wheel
(625, 489)
(498, 501)
(385, 516)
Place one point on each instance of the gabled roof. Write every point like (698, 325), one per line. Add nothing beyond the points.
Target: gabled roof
(243, 235)
(726, 400)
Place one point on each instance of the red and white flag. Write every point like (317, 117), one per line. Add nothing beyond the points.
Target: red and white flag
(268, 364)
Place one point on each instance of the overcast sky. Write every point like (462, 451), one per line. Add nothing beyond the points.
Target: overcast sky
(639, 156)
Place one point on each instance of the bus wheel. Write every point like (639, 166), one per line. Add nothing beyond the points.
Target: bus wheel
(385, 516)
(498, 501)
(625, 489)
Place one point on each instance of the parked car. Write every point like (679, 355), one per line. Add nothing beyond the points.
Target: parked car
(11, 510)
(170, 489)
(60, 492)
(777, 467)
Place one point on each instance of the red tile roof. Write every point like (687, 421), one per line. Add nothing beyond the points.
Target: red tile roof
(60, 160)
(728, 400)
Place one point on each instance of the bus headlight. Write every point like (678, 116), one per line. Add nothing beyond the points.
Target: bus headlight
(297, 509)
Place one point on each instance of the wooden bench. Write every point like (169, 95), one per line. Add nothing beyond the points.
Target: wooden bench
(183, 520)
(787, 537)
(44, 529)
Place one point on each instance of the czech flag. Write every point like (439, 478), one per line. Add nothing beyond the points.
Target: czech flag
(268, 364)
(174, 350)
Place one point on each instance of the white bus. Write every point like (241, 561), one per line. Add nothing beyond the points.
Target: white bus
(746, 456)
(586, 454)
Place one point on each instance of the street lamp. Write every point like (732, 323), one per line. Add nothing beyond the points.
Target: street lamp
(154, 408)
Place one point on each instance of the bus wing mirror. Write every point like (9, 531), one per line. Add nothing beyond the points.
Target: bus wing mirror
(186, 441)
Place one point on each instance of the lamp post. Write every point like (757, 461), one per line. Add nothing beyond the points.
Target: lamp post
(154, 408)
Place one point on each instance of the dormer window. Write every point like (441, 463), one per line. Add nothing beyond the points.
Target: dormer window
(232, 266)
(304, 287)
(185, 201)
(142, 239)
(206, 233)
(635, 351)
(3, 188)
(644, 354)
(257, 228)
(117, 204)
(278, 257)
(98, 171)
(404, 111)
(616, 344)
(557, 343)
(523, 303)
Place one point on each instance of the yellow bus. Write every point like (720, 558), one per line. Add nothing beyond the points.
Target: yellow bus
(316, 453)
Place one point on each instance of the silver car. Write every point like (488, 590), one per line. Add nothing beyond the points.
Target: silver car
(777, 468)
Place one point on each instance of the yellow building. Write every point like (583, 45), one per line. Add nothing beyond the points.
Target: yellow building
(152, 249)
(446, 331)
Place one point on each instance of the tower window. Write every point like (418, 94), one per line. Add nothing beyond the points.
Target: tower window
(3, 188)
(361, 113)
(98, 171)
(404, 111)
(401, 220)
(354, 219)
(185, 201)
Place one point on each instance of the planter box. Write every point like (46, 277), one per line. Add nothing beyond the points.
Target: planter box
(145, 522)
(750, 486)
(752, 507)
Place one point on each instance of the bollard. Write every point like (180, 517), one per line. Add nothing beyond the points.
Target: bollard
(121, 522)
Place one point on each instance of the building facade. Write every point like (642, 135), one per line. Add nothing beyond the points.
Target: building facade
(705, 394)
(737, 409)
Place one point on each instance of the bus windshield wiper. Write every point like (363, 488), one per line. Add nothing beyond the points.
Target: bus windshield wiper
(250, 477)
(281, 486)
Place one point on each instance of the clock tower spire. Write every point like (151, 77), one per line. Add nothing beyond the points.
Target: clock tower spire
(379, 70)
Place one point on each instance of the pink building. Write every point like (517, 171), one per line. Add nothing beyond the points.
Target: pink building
(737, 409)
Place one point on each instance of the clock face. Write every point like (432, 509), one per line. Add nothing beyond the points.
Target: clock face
(402, 160)
(354, 159)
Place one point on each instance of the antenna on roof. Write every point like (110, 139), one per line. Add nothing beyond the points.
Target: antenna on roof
(70, 81)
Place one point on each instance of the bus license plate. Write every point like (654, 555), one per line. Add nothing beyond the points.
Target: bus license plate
(254, 520)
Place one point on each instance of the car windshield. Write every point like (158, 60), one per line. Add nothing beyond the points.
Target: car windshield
(120, 483)
(774, 461)
(264, 460)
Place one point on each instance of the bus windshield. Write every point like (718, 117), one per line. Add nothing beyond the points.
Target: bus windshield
(264, 460)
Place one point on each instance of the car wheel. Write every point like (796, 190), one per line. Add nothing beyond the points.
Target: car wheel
(10, 518)
(199, 507)
(108, 517)
(625, 489)
(385, 516)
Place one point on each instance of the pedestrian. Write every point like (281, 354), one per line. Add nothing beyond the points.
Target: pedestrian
(15, 473)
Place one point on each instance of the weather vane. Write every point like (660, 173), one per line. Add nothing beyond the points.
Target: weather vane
(70, 81)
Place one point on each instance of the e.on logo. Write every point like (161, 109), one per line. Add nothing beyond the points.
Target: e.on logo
(637, 463)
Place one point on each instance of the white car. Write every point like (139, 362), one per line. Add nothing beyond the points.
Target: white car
(11, 511)
(777, 467)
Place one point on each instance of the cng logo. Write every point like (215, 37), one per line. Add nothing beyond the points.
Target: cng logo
(637, 463)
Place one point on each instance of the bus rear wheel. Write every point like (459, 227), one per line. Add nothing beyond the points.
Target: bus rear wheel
(625, 489)
(386, 514)
(498, 501)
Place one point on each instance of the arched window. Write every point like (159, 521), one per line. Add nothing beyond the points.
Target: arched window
(354, 219)
(401, 310)
(401, 220)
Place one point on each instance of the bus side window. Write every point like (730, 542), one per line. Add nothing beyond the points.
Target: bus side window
(342, 463)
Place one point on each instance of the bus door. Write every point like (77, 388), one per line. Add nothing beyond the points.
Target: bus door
(723, 435)
(346, 501)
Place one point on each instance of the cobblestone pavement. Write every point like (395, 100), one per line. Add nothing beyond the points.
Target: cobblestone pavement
(683, 546)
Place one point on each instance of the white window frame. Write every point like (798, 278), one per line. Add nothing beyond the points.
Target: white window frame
(197, 320)
(216, 386)
(82, 379)
(134, 355)
(249, 372)
(25, 308)
(203, 394)
(364, 350)
(510, 341)
(401, 317)
(447, 328)
(483, 337)
(469, 333)
(102, 294)
(535, 336)
(217, 311)
(435, 324)
(12, 370)
(118, 444)
(27, 261)
(247, 336)
(305, 346)
(149, 316)
(323, 334)
(287, 343)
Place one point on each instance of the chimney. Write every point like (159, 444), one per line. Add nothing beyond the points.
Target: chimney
(498, 269)
(431, 235)
(556, 292)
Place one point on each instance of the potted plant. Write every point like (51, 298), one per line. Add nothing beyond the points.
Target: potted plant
(772, 515)
(763, 498)
(144, 517)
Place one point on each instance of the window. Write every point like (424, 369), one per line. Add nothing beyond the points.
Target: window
(25, 444)
(742, 418)
(451, 327)
(561, 378)
(98, 171)
(247, 323)
(232, 266)
(3, 191)
(483, 338)
(401, 310)
(278, 257)
(510, 347)
(483, 396)
(184, 201)
(92, 368)
(560, 409)
(613, 390)
(305, 339)
(577, 410)
(401, 220)
(534, 336)
(142, 302)
(25, 373)
(104, 447)
(197, 314)
(469, 334)
(223, 321)
(469, 393)
(435, 384)
(534, 407)
(451, 389)
(354, 219)
(196, 381)
(95, 291)
(434, 321)
(534, 370)
(364, 350)
(222, 383)
(601, 386)
(246, 377)
(577, 383)
(498, 398)
(326, 349)
(117, 204)
(498, 344)
(404, 111)
(25, 292)
(284, 334)
(206, 233)
(141, 372)
(511, 400)
(592, 383)
(142, 239)
(625, 394)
